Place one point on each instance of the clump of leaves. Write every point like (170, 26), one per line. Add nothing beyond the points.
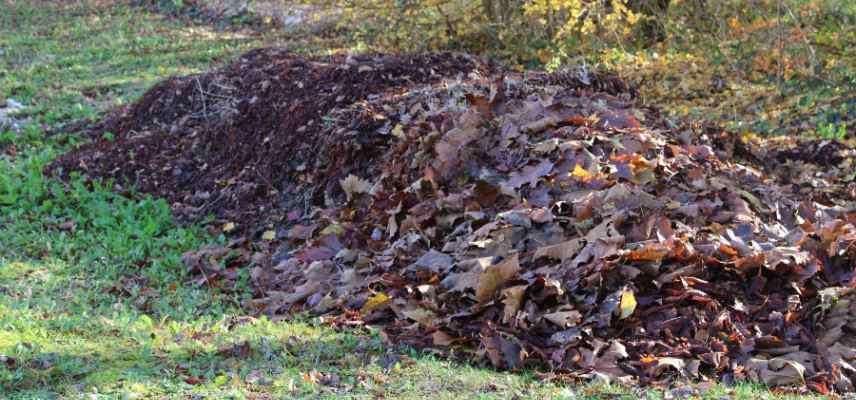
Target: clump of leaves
(563, 227)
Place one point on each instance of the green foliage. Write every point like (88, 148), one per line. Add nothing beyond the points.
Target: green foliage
(832, 132)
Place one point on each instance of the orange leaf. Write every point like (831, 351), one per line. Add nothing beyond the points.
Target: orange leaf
(648, 359)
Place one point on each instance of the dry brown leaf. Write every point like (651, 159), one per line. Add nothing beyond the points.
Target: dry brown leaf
(441, 338)
(494, 277)
(777, 371)
(564, 319)
(530, 174)
(562, 251)
(512, 298)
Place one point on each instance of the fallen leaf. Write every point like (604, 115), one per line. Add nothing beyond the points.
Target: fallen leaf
(228, 227)
(269, 235)
(564, 319)
(581, 173)
(441, 338)
(353, 185)
(778, 371)
(627, 305)
(562, 251)
(374, 302)
(503, 353)
(435, 261)
(494, 277)
(530, 174)
(512, 298)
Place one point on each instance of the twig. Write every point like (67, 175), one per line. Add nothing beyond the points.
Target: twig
(202, 96)
(202, 208)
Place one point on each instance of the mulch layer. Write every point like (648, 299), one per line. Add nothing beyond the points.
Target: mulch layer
(516, 219)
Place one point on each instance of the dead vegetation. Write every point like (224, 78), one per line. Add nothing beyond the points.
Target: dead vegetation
(532, 219)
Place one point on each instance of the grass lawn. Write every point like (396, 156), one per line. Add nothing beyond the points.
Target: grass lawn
(93, 300)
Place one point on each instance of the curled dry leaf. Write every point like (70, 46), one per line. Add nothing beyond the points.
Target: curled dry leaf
(494, 277)
(354, 185)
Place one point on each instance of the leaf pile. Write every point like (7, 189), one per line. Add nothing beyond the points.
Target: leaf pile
(533, 225)
(243, 140)
(549, 221)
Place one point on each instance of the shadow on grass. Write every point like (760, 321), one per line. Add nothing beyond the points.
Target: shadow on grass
(287, 360)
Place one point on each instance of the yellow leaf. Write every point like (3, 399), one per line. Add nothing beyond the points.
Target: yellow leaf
(269, 235)
(228, 227)
(628, 304)
(581, 173)
(333, 229)
(374, 302)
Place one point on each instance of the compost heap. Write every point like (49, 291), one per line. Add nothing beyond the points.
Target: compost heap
(523, 219)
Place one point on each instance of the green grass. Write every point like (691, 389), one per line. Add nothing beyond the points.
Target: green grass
(93, 296)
